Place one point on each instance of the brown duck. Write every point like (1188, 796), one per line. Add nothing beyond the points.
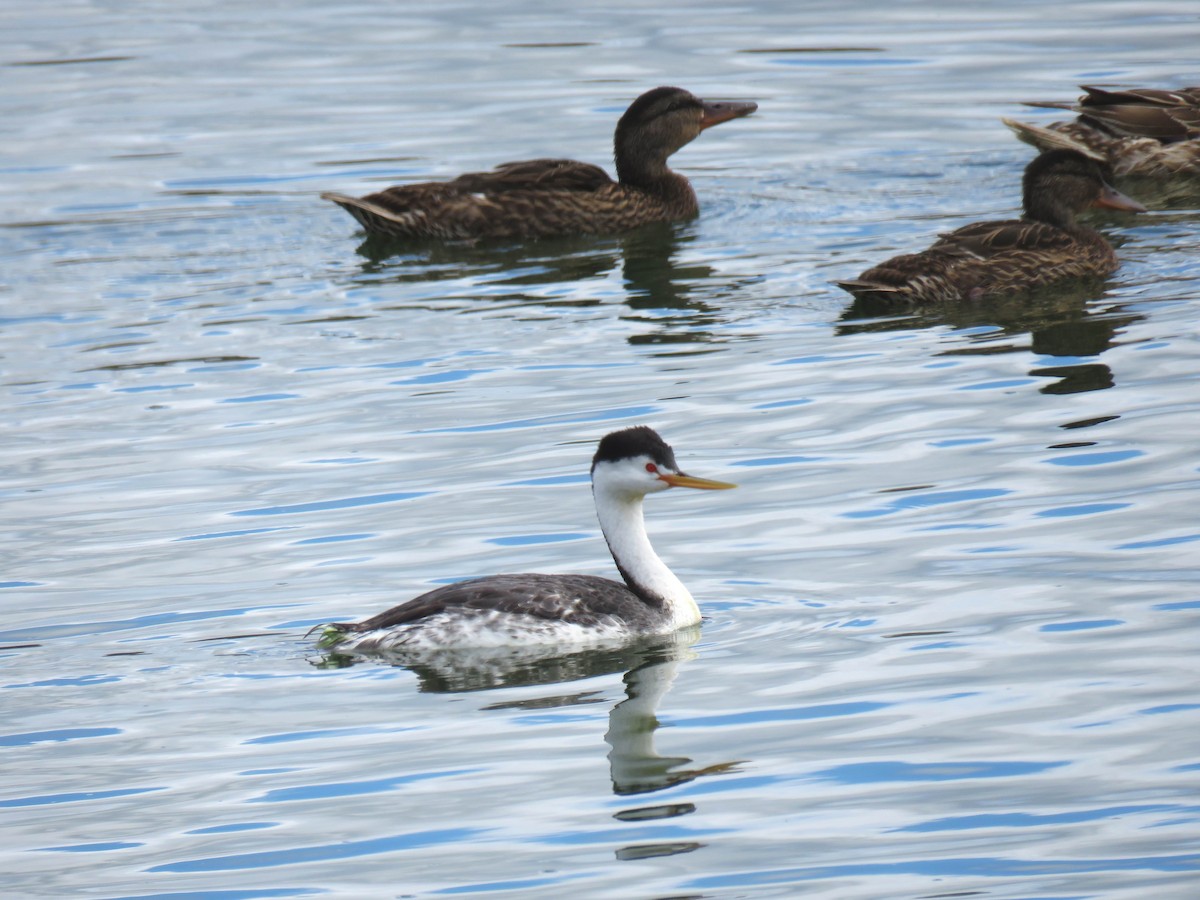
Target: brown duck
(1138, 132)
(992, 259)
(542, 197)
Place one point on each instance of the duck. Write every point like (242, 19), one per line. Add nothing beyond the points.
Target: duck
(535, 609)
(548, 197)
(998, 258)
(1138, 132)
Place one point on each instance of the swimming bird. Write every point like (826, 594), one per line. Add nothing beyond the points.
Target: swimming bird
(991, 259)
(543, 197)
(1138, 132)
(531, 608)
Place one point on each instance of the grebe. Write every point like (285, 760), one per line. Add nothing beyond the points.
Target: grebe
(542, 197)
(506, 610)
(992, 259)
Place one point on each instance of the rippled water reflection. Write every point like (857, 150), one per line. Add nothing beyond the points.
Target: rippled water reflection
(951, 610)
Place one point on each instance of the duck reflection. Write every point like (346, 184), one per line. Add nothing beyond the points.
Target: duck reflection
(549, 261)
(654, 279)
(659, 288)
(1060, 323)
(636, 767)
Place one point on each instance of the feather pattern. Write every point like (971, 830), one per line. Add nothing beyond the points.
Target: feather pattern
(1137, 131)
(543, 197)
(503, 610)
(992, 259)
(539, 609)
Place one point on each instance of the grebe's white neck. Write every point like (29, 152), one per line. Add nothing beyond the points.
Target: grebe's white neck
(620, 514)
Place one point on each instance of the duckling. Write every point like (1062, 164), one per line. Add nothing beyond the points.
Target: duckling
(991, 259)
(544, 197)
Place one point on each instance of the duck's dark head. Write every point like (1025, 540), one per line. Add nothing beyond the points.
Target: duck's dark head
(1060, 184)
(660, 122)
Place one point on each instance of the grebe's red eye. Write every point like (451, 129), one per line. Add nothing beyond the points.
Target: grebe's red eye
(651, 468)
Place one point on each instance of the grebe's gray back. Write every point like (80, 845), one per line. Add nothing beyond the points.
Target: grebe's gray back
(531, 608)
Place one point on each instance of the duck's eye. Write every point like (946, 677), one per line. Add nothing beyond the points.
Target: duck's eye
(652, 468)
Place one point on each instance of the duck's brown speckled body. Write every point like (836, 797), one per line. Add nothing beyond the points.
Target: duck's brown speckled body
(543, 197)
(991, 259)
(1138, 132)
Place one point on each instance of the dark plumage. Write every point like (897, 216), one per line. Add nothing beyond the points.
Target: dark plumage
(542, 197)
(634, 441)
(990, 259)
(1138, 132)
(534, 594)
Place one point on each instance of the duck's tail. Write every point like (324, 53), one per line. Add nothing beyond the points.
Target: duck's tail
(373, 217)
(1052, 139)
(868, 288)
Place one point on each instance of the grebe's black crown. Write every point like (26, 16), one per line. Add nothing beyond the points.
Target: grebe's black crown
(628, 443)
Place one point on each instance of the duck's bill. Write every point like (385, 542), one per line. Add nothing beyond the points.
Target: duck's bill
(691, 481)
(716, 113)
(1111, 198)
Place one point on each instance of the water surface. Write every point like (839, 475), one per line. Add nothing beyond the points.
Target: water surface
(951, 610)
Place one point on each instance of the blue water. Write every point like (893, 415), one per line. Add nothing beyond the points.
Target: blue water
(951, 611)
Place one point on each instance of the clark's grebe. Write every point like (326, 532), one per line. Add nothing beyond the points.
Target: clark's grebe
(505, 610)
